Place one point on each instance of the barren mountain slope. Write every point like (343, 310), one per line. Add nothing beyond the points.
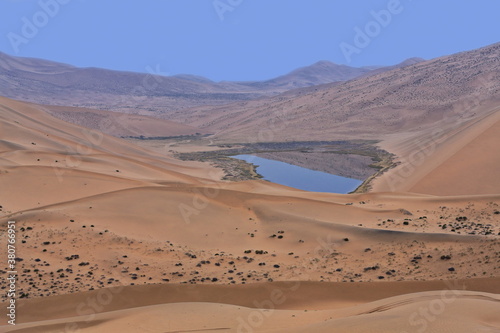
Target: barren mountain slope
(437, 93)
(121, 124)
(46, 82)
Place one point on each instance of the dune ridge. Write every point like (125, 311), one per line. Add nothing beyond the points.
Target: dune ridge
(179, 250)
(432, 311)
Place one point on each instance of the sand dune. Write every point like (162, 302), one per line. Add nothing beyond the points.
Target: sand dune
(463, 160)
(294, 295)
(430, 311)
(178, 250)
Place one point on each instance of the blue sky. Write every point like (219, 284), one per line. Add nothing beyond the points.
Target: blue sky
(242, 39)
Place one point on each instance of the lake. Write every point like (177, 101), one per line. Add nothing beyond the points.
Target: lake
(300, 178)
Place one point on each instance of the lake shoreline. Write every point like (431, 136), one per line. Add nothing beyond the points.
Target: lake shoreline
(300, 177)
(376, 159)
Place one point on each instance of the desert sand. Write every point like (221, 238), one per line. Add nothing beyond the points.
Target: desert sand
(460, 161)
(114, 237)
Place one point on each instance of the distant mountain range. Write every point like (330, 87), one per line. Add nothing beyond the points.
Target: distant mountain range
(47, 82)
(443, 92)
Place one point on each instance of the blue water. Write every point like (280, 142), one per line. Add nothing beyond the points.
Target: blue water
(300, 178)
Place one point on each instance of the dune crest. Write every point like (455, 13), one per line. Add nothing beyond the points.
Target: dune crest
(163, 245)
